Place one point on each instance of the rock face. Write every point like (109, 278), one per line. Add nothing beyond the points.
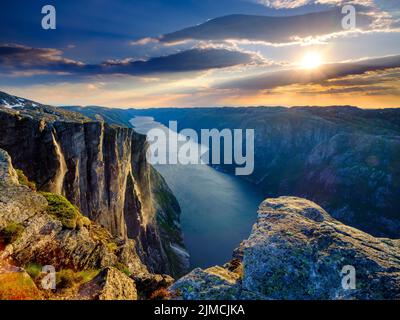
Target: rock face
(297, 251)
(36, 236)
(44, 240)
(101, 169)
(344, 158)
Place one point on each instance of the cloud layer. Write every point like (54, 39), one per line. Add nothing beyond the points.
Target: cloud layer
(326, 72)
(282, 29)
(18, 58)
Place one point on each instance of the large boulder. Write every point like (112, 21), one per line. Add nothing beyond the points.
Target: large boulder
(296, 250)
(215, 283)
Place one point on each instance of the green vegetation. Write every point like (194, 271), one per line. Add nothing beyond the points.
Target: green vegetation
(11, 232)
(67, 278)
(88, 275)
(112, 247)
(23, 180)
(34, 270)
(123, 268)
(65, 211)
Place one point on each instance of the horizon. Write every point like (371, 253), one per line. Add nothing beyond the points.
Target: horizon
(198, 107)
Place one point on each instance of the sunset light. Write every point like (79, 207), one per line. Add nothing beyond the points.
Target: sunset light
(311, 60)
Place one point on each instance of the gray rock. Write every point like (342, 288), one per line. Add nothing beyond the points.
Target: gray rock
(110, 284)
(100, 168)
(215, 283)
(296, 250)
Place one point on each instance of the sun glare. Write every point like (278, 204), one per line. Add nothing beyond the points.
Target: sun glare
(311, 60)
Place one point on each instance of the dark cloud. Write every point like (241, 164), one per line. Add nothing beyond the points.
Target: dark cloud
(14, 58)
(18, 57)
(280, 29)
(320, 75)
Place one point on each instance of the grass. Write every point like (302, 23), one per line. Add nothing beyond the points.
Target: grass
(68, 278)
(112, 247)
(123, 268)
(34, 270)
(65, 211)
(88, 275)
(12, 232)
(23, 180)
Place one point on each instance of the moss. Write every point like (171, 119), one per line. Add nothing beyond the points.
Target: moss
(34, 270)
(123, 268)
(67, 278)
(88, 275)
(112, 247)
(23, 180)
(12, 232)
(63, 210)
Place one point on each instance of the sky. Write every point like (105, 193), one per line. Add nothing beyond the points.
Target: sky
(194, 53)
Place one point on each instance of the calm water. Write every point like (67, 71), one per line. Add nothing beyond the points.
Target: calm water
(218, 210)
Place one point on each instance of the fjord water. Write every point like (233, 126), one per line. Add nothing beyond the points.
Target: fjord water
(218, 210)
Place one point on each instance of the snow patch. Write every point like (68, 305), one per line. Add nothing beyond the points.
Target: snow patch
(10, 106)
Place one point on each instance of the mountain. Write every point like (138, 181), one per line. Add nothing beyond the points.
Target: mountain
(84, 201)
(297, 251)
(345, 159)
(102, 170)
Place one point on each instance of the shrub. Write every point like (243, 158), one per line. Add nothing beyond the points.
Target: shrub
(88, 275)
(67, 278)
(123, 268)
(22, 179)
(112, 247)
(11, 232)
(34, 270)
(64, 210)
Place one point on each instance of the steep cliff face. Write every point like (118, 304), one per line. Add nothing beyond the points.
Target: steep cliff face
(296, 250)
(35, 231)
(102, 169)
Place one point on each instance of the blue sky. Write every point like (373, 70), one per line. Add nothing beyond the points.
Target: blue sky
(198, 53)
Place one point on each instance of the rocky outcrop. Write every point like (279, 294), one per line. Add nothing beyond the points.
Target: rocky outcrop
(41, 237)
(296, 250)
(101, 169)
(33, 234)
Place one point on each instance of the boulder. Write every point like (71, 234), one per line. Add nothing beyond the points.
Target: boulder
(110, 284)
(296, 250)
(215, 283)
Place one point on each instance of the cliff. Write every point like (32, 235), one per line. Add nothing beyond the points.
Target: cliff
(101, 169)
(296, 250)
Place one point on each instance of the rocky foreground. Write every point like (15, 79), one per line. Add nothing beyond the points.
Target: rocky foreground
(36, 231)
(297, 251)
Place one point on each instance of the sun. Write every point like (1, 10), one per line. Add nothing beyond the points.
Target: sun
(311, 60)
